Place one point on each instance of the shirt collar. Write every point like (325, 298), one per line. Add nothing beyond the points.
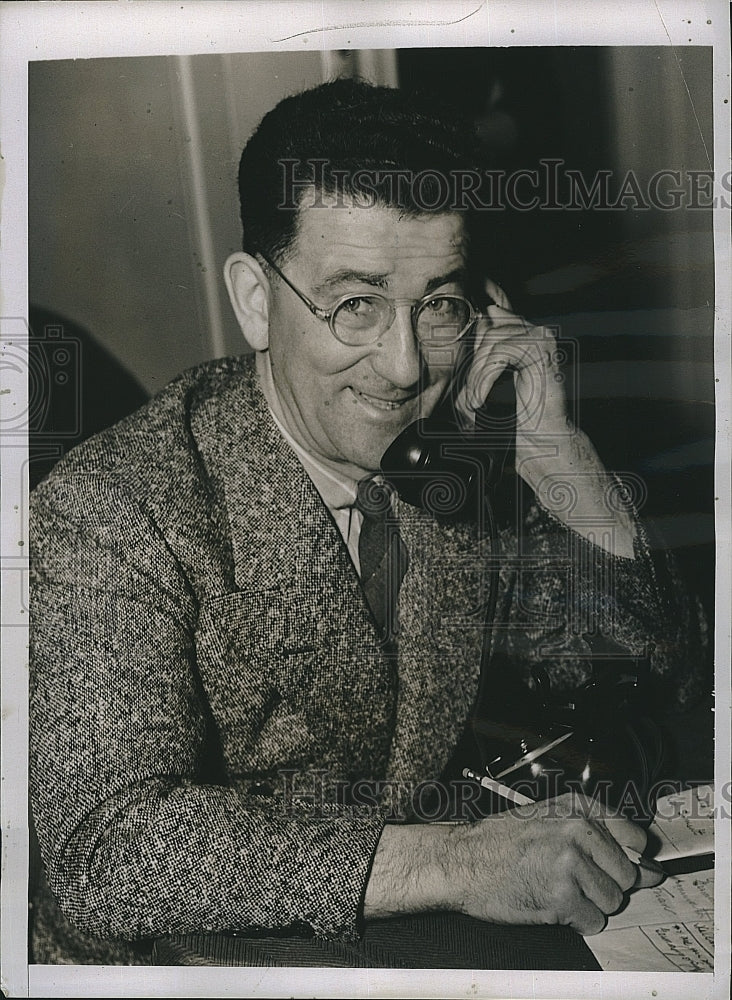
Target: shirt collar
(337, 490)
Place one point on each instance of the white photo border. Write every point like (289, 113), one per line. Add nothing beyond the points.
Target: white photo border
(41, 31)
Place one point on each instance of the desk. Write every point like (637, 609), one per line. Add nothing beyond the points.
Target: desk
(419, 941)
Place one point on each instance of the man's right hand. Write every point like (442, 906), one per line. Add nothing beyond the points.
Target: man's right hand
(554, 862)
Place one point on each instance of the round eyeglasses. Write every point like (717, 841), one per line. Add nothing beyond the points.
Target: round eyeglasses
(358, 320)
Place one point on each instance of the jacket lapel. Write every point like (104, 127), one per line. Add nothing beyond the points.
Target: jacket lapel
(441, 614)
(296, 615)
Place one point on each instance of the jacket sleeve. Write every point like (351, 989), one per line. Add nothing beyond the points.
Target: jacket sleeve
(560, 591)
(137, 837)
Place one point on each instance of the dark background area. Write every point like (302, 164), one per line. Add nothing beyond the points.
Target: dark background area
(529, 105)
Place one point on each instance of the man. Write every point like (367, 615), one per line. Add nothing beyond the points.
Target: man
(205, 641)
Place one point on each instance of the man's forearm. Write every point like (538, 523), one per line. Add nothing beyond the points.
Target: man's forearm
(570, 481)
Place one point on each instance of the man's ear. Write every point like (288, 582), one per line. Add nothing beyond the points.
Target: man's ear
(248, 290)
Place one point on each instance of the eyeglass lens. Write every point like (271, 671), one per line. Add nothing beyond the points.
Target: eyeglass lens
(439, 320)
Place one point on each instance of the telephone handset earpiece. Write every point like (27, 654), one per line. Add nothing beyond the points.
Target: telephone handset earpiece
(436, 464)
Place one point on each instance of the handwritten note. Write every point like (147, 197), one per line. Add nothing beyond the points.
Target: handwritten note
(669, 927)
(683, 825)
(685, 896)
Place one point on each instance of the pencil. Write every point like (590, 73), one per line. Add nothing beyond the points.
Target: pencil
(498, 787)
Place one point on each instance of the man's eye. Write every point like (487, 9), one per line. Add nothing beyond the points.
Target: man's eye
(360, 312)
(442, 306)
(357, 306)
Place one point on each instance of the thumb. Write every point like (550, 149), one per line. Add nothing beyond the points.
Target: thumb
(478, 381)
(463, 410)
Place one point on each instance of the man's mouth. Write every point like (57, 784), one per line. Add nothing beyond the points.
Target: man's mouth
(380, 403)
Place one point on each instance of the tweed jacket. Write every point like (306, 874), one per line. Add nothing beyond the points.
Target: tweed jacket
(202, 654)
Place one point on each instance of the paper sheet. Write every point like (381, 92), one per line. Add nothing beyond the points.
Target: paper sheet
(670, 927)
(683, 825)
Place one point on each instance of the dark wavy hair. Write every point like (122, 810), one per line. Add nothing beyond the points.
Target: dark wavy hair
(348, 126)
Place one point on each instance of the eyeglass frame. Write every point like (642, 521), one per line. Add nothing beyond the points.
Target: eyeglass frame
(326, 315)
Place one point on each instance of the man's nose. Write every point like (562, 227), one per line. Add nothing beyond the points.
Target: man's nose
(397, 356)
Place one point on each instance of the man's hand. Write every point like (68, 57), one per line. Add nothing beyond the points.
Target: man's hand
(505, 340)
(553, 456)
(548, 863)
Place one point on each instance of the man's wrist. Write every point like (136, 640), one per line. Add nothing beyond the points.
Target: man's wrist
(413, 867)
(570, 482)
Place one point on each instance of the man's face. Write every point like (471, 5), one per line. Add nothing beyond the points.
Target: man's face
(346, 404)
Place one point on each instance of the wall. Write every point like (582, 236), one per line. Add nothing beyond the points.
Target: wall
(133, 201)
(133, 205)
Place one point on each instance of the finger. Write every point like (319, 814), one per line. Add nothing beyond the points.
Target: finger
(532, 361)
(506, 348)
(487, 331)
(597, 886)
(627, 833)
(484, 371)
(608, 854)
(646, 877)
(618, 827)
(633, 839)
(524, 347)
(586, 918)
(497, 294)
(499, 313)
(465, 413)
(498, 324)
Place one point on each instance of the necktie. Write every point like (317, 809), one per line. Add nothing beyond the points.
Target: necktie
(382, 554)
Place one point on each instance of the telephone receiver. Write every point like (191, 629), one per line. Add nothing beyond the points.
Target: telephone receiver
(437, 465)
